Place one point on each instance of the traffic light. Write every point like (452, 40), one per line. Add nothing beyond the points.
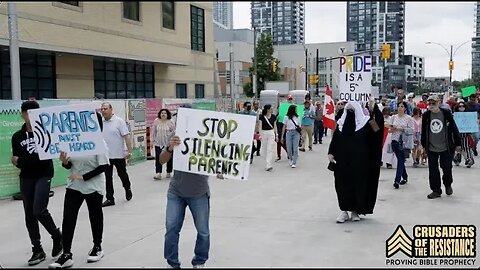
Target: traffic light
(450, 65)
(316, 78)
(301, 68)
(274, 66)
(385, 54)
(311, 79)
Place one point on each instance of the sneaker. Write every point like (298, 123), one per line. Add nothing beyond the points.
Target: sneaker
(389, 166)
(95, 254)
(302, 149)
(320, 142)
(108, 203)
(128, 194)
(64, 261)
(157, 176)
(294, 166)
(269, 169)
(449, 190)
(403, 181)
(395, 185)
(343, 217)
(310, 148)
(314, 142)
(199, 266)
(278, 159)
(475, 153)
(169, 175)
(355, 216)
(38, 256)
(434, 195)
(57, 244)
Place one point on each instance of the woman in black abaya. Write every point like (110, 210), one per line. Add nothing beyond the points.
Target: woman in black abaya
(355, 149)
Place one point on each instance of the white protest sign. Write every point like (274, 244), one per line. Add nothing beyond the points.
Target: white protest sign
(214, 143)
(355, 80)
(70, 128)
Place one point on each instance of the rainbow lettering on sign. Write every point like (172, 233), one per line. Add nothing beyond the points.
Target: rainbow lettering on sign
(356, 63)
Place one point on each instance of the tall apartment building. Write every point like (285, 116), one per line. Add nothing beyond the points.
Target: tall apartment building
(223, 14)
(476, 43)
(284, 21)
(371, 24)
(114, 49)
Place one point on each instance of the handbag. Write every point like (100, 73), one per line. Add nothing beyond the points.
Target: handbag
(257, 137)
(389, 148)
(297, 128)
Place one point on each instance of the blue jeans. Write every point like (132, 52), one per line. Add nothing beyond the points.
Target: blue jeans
(292, 139)
(401, 170)
(200, 209)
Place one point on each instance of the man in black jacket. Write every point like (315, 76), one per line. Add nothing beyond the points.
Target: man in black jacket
(440, 139)
(35, 178)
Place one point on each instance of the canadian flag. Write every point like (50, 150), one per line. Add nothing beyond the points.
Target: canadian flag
(328, 110)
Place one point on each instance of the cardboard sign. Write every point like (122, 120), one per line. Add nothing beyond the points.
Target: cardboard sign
(71, 128)
(466, 121)
(355, 78)
(214, 143)
(467, 91)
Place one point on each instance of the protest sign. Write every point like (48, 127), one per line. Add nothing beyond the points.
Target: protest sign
(283, 109)
(71, 128)
(214, 143)
(466, 121)
(355, 78)
(467, 91)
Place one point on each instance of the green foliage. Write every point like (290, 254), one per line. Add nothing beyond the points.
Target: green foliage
(265, 61)
(248, 90)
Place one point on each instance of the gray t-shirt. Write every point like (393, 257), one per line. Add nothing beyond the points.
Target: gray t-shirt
(189, 185)
(83, 165)
(437, 133)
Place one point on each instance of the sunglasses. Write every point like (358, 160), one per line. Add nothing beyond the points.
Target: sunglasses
(432, 102)
(461, 106)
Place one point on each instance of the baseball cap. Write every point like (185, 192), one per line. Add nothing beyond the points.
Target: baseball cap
(289, 97)
(433, 97)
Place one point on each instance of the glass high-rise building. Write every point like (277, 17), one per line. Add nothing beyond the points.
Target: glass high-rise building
(284, 21)
(476, 43)
(370, 24)
(223, 14)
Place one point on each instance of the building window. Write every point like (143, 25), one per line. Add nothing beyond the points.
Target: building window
(168, 14)
(197, 28)
(181, 90)
(37, 73)
(119, 78)
(72, 3)
(199, 91)
(131, 10)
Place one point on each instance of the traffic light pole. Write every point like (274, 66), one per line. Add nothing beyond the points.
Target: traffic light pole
(451, 61)
(316, 73)
(306, 69)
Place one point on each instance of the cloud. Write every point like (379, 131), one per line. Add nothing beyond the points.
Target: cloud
(448, 23)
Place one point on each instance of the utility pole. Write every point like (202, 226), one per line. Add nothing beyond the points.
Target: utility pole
(316, 73)
(306, 69)
(232, 94)
(254, 83)
(451, 61)
(14, 52)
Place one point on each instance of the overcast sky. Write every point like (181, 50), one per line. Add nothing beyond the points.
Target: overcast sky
(447, 23)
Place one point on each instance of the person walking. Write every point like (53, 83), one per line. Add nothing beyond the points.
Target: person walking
(192, 190)
(400, 124)
(35, 179)
(116, 135)
(247, 110)
(258, 112)
(307, 126)
(291, 131)
(417, 151)
(440, 139)
(163, 130)
(465, 138)
(318, 124)
(86, 182)
(268, 132)
(355, 150)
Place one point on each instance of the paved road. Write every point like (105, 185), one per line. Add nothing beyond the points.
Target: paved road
(284, 218)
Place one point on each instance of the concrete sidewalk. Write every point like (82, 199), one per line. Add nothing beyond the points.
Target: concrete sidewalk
(284, 218)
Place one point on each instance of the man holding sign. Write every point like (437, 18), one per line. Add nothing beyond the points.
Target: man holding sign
(35, 179)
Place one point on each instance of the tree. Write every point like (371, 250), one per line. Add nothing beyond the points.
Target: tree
(264, 63)
(248, 90)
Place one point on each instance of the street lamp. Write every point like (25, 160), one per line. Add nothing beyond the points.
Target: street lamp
(451, 53)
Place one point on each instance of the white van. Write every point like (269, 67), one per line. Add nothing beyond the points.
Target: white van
(298, 96)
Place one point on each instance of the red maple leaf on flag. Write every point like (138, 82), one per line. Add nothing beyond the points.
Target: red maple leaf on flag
(330, 108)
